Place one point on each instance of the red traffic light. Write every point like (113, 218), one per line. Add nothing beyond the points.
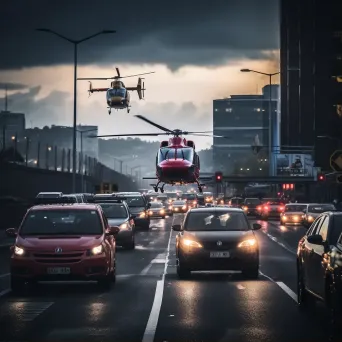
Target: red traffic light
(218, 176)
(321, 177)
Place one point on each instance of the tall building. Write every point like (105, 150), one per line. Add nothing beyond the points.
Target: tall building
(11, 125)
(311, 76)
(245, 120)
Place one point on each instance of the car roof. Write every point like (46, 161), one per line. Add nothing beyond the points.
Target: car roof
(237, 210)
(77, 206)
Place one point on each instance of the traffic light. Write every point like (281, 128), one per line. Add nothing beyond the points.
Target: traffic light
(218, 177)
(321, 177)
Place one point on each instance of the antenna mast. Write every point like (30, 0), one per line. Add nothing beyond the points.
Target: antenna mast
(6, 99)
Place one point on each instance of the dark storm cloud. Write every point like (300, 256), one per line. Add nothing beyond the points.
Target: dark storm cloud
(174, 32)
(40, 111)
(12, 86)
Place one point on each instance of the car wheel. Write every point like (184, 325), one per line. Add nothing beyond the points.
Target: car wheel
(303, 297)
(183, 271)
(251, 272)
(17, 285)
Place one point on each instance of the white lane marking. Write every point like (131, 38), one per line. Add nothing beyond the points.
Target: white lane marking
(287, 290)
(28, 311)
(151, 326)
(283, 286)
(146, 269)
(4, 275)
(4, 292)
(279, 243)
(240, 287)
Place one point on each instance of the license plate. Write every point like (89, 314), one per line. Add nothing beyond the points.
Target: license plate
(58, 270)
(219, 255)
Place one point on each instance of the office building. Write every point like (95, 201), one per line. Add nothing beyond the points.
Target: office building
(245, 120)
(311, 77)
(11, 125)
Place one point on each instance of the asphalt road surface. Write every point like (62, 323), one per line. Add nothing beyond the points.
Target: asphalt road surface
(149, 303)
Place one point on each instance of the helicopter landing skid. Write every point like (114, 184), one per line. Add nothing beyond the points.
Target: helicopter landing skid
(109, 110)
(199, 186)
(155, 187)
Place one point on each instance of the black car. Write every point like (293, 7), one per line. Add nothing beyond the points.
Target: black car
(139, 207)
(217, 239)
(118, 215)
(250, 206)
(319, 267)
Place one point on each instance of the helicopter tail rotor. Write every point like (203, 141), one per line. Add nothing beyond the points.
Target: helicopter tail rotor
(141, 88)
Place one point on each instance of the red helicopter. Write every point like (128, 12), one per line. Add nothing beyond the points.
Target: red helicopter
(177, 162)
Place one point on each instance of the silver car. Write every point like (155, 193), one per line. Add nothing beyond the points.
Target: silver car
(157, 209)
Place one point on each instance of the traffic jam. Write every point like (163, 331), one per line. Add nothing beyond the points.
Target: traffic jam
(65, 238)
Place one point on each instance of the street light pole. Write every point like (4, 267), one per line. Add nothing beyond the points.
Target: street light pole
(74, 140)
(270, 154)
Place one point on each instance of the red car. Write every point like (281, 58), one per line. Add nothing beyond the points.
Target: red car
(63, 242)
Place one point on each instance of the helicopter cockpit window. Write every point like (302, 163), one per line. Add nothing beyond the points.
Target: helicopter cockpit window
(176, 153)
(116, 93)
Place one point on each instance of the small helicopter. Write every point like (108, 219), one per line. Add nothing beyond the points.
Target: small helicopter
(118, 96)
(177, 162)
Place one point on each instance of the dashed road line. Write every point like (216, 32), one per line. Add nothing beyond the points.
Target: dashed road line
(151, 326)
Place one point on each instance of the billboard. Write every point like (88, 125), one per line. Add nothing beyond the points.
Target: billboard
(294, 165)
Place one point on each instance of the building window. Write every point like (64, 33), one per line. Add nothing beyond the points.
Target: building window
(229, 110)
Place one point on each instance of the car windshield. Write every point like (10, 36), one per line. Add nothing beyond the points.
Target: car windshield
(156, 205)
(252, 201)
(317, 209)
(162, 198)
(236, 200)
(336, 230)
(114, 210)
(49, 195)
(190, 197)
(166, 153)
(172, 195)
(137, 201)
(295, 208)
(62, 222)
(216, 221)
(179, 203)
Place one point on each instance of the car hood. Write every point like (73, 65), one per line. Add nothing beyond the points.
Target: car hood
(116, 222)
(67, 243)
(224, 236)
(136, 210)
(314, 214)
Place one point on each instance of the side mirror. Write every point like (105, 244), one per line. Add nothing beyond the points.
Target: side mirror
(148, 205)
(256, 226)
(177, 227)
(11, 232)
(315, 239)
(112, 230)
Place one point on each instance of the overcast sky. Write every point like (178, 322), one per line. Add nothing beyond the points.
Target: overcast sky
(196, 49)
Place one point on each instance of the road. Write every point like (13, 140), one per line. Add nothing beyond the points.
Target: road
(149, 303)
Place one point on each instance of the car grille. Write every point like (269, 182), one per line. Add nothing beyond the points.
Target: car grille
(212, 245)
(60, 258)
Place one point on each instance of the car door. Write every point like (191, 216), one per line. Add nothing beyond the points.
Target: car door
(307, 254)
(317, 267)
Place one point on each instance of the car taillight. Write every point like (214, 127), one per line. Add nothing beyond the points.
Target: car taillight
(259, 207)
(281, 208)
(266, 207)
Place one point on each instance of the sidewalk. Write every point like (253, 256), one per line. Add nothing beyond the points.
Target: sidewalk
(5, 241)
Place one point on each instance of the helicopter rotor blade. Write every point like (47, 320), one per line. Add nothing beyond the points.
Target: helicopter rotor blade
(154, 124)
(202, 132)
(128, 135)
(210, 135)
(145, 73)
(118, 72)
(93, 78)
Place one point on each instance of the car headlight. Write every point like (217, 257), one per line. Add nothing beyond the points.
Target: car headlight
(184, 207)
(123, 225)
(142, 214)
(170, 207)
(97, 250)
(247, 243)
(311, 218)
(19, 251)
(245, 208)
(162, 211)
(191, 243)
(150, 212)
(284, 218)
